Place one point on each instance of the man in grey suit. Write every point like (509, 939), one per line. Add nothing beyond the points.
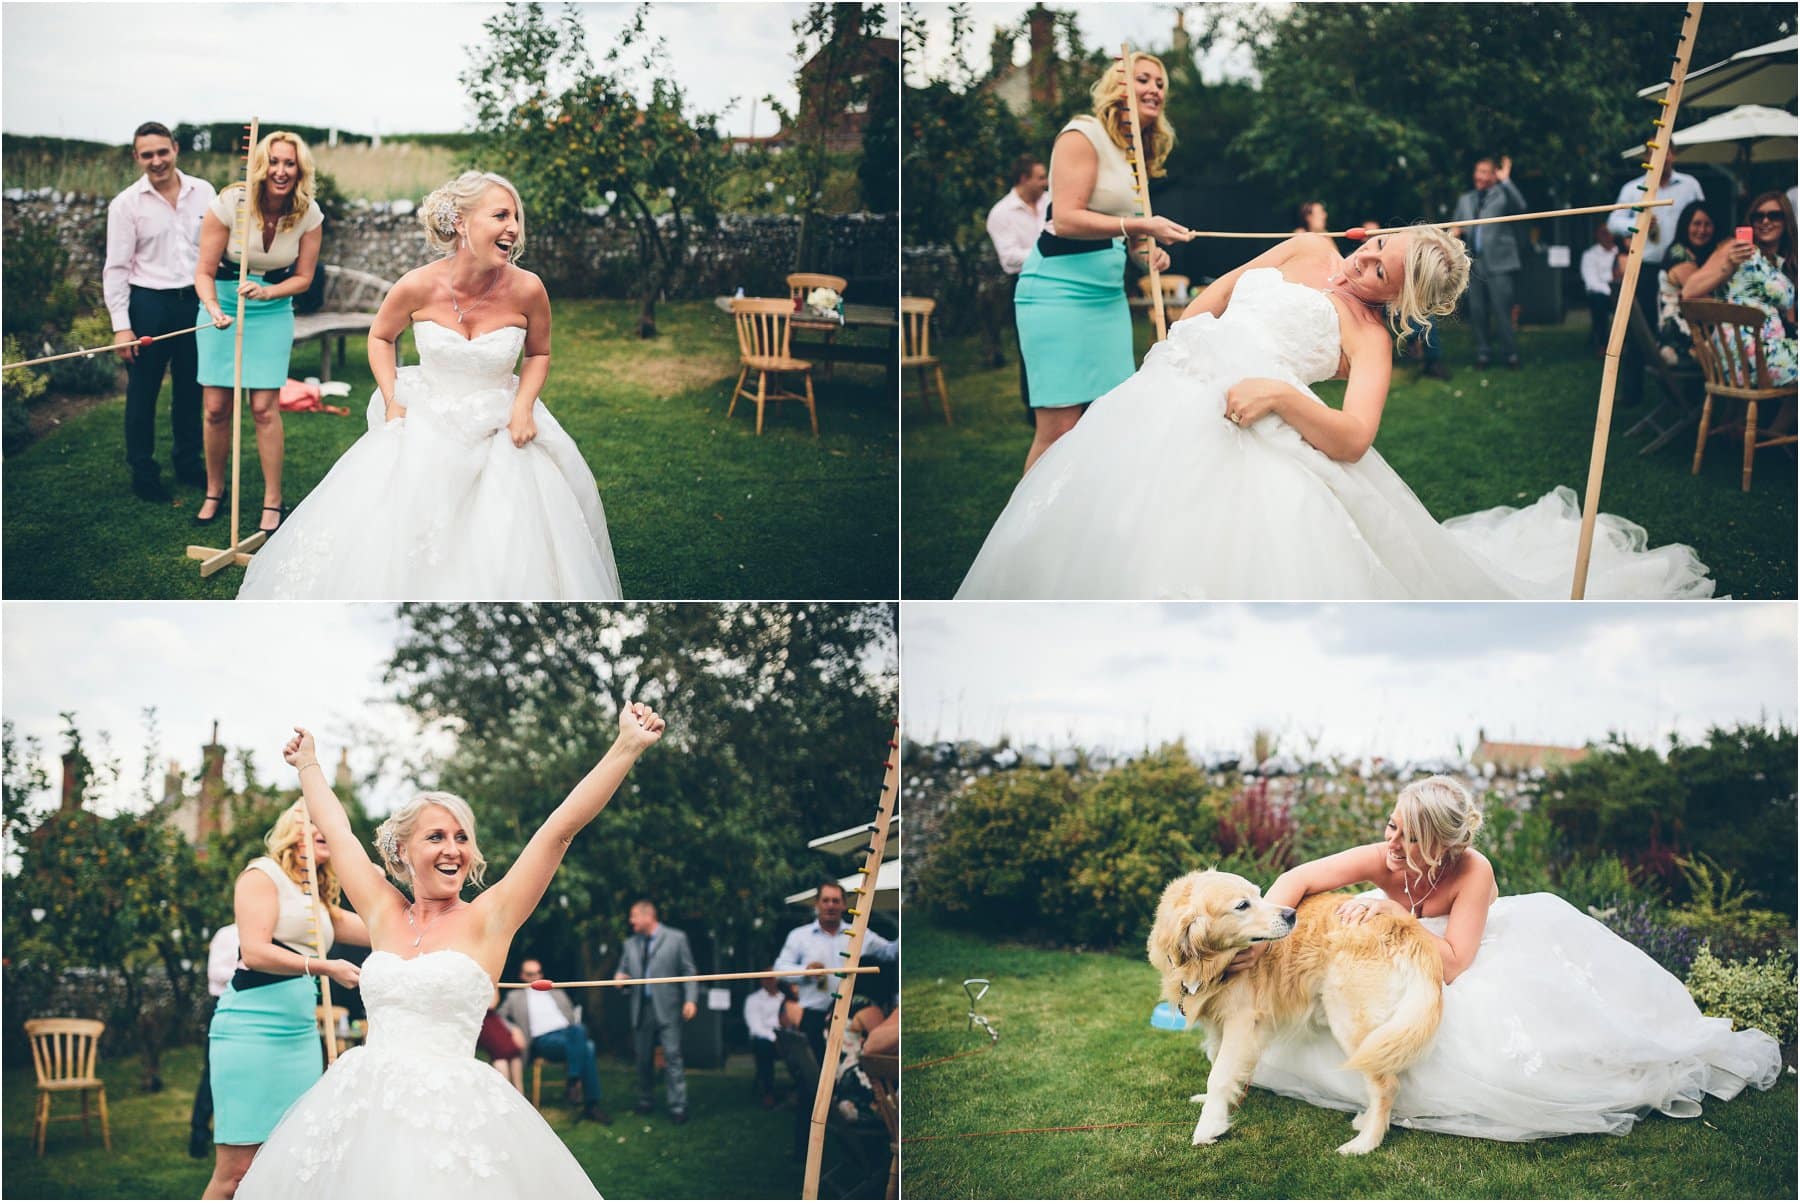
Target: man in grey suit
(657, 1011)
(1495, 250)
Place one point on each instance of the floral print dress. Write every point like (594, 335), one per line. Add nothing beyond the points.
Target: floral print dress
(1761, 283)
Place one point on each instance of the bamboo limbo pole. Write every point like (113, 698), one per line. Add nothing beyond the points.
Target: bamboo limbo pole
(1138, 156)
(1634, 261)
(708, 976)
(91, 351)
(239, 550)
(859, 915)
(318, 934)
(1357, 233)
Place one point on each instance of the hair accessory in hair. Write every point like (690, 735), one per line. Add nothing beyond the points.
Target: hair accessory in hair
(443, 216)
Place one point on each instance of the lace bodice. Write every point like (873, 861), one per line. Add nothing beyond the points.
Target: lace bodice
(453, 364)
(1271, 328)
(430, 1005)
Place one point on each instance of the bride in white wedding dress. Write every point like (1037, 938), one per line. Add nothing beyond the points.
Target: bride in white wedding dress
(412, 1113)
(1216, 472)
(1553, 1025)
(465, 487)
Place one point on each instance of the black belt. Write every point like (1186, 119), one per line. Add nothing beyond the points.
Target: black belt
(184, 289)
(229, 267)
(1051, 246)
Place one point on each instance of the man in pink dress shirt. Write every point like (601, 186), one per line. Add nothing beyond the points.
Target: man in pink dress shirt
(1013, 226)
(152, 247)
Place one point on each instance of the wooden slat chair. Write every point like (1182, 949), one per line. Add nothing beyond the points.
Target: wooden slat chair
(1728, 348)
(1174, 288)
(884, 1079)
(915, 349)
(764, 328)
(800, 283)
(1680, 385)
(64, 1052)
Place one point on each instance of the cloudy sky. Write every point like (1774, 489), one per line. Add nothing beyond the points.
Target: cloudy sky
(1103, 26)
(81, 70)
(1403, 681)
(255, 669)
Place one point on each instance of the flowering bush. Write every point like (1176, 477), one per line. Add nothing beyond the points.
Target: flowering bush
(1751, 993)
(1668, 943)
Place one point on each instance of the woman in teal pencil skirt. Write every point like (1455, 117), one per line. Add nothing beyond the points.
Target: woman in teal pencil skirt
(1074, 320)
(284, 230)
(264, 1038)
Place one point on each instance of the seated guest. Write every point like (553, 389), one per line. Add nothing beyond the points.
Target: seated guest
(1758, 273)
(762, 1015)
(547, 1018)
(504, 1045)
(1697, 233)
(1597, 281)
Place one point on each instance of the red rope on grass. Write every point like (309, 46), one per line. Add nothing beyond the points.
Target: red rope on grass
(945, 1059)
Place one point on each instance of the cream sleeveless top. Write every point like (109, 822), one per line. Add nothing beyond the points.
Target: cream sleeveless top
(294, 923)
(283, 252)
(1114, 193)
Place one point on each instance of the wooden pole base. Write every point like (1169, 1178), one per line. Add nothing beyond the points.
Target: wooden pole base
(237, 555)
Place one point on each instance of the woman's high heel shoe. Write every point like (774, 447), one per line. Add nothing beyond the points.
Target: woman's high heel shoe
(217, 509)
(280, 512)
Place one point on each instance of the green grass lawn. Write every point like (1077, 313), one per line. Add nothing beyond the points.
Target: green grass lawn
(698, 507)
(730, 1148)
(1076, 1048)
(1481, 439)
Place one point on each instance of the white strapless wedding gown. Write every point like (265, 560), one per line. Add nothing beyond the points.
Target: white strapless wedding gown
(1559, 1027)
(412, 1113)
(440, 504)
(1155, 495)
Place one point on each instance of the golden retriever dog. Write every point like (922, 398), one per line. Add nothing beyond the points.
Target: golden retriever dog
(1379, 985)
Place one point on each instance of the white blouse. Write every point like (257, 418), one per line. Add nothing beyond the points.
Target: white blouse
(286, 247)
(1114, 192)
(294, 923)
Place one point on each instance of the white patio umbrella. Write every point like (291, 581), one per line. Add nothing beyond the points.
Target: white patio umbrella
(1749, 133)
(1765, 74)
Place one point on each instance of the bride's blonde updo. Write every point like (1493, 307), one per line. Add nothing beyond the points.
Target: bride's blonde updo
(439, 212)
(1440, 819)
(1437, 274)
(392, 834)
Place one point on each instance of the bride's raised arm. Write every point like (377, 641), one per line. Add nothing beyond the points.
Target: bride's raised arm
(517, 894)
(364, 884)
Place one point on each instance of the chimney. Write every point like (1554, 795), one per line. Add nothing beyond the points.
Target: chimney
(74, 766)
(212, 790)
(344, 781)
(1042, 24)
(172, 784)
(1180, 44)
(1001, 54)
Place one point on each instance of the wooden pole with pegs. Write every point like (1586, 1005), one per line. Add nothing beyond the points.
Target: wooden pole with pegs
(238, 551)
(314, 901)
(858, 916)
(1634, 261)
(1138, 156)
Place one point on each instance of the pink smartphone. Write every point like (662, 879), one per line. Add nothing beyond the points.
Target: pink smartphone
(1744, 234)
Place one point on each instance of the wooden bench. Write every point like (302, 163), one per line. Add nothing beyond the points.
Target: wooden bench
(351, 299)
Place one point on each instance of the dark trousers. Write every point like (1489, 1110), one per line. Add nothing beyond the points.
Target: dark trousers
(572, 1047)
(1631, 357)
(201, 1118)
(1600, 309)
(648, 1034)
(764, 1051)
(158, 311)
(812, 1025)
(1491, 301)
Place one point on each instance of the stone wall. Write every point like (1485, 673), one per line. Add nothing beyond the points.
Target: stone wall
(590, 257)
